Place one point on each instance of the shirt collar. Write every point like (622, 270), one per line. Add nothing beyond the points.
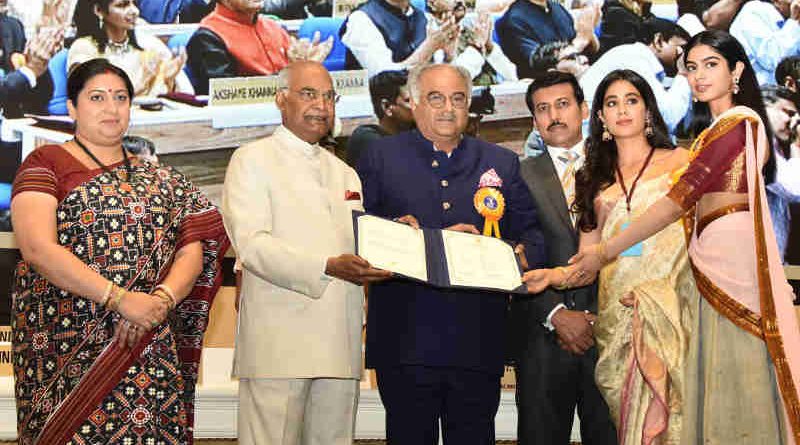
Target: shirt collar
(577, 149)
(295, 143)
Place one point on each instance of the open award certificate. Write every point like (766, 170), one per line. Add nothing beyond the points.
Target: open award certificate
(480, 261)
(392, 246)
(442, 258)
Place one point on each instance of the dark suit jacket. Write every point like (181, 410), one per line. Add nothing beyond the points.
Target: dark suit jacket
(620, 26)
(13, 40)
(17, 96)
(525, 26)
(528, 313)
(415, 324)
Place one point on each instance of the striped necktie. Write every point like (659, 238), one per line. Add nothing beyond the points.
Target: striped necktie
(569, 158)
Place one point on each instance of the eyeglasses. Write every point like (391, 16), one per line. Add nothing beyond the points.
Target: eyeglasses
(438, 100)
(311, 95)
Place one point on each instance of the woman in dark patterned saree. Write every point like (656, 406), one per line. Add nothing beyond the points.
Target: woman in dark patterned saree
(121, 261)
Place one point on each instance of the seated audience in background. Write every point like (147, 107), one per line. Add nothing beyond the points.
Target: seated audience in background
(530, 23)
(787, 73)
(26, 86)
(392, 104)
(781, 108)
(769, 31)
(173, 11)
(474, 48)
(654, 58)
(235, 41)
(558, 56)
(13, 38)
(623, 22)
(106, 28)
(385, 35)
(716, 14)
(298, 9)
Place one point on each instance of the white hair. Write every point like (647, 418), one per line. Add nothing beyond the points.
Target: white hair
(416, 74)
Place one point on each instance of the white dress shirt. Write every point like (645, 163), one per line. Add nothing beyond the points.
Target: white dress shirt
(673, 103)
(367, 44)
(766, 37)
(556, 154)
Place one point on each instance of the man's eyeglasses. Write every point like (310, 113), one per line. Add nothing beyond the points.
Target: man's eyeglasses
(311, 95)
(438, 100)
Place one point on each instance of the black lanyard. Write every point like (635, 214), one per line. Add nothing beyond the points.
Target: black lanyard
(629, 196)
(97, 161)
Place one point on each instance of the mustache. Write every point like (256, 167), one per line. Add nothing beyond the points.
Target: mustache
(555, 124)
(449, 115)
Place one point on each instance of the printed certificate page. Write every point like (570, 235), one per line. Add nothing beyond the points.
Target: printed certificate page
(480, 261)
(392, 246)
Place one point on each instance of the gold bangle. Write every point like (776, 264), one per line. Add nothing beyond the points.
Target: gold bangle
(161, 295)
(602, 251)
(115, 301)
(168, 291)
(107, 293)
(563, 284)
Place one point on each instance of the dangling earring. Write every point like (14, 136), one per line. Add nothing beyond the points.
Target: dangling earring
(648, 126)
(606, 135)
(100, 22)
(735, 86)
(694, 99)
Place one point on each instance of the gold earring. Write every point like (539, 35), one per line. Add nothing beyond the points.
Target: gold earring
(648, 126)
(606, 134)
(735, 86)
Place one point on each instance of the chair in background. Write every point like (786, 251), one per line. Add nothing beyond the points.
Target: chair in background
(327, 27)
(58, 72)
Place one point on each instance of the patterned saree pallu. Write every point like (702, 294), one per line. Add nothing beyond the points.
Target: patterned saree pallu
(73, 383)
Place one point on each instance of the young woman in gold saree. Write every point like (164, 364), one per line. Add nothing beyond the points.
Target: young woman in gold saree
(644, 295)
(743, 367)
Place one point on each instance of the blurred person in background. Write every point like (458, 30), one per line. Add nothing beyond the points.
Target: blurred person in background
(781, 106)
(530, 23)
(106, 28)
(234, 41)
(392, 105)
(385, 35)
(769, 31)
(787, 73)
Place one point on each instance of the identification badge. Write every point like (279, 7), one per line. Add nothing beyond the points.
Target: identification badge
(636, 249)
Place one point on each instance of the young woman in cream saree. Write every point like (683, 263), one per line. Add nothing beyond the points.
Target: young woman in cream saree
(743, 363)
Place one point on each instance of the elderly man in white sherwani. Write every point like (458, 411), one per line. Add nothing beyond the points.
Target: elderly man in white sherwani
(287, 207)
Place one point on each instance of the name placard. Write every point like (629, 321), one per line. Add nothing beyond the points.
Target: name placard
(351, 83)
(343, 8)
(6, 365)
(242, 90)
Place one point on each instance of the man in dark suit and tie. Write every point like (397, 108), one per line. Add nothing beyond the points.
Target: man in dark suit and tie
(438, 353)
(554, 348)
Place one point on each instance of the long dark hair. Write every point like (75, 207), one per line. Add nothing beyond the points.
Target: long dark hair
(749, 93)
(598, 172)
(88, 24)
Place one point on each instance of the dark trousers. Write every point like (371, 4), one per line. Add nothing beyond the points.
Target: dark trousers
(416, 398)
(551, 382)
